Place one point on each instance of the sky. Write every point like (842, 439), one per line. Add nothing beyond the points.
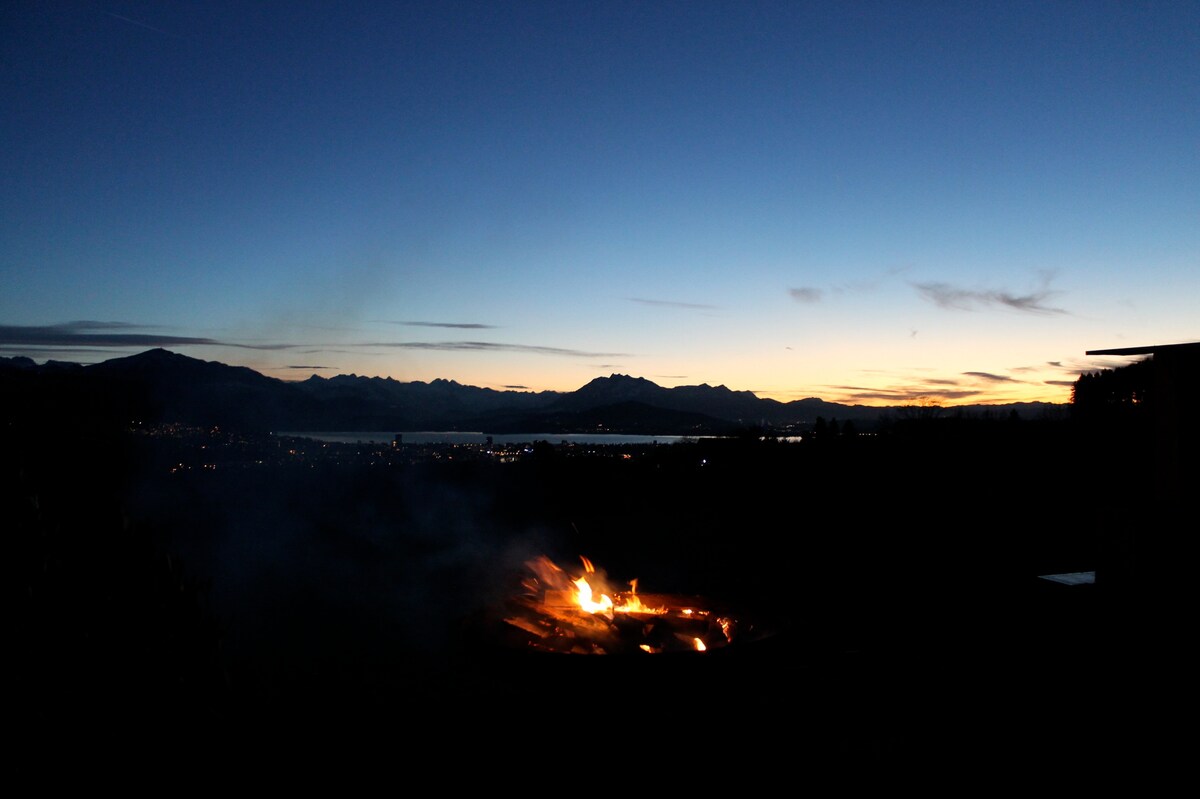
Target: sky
(879, 203)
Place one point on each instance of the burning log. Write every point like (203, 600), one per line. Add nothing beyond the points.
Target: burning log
(583, 615)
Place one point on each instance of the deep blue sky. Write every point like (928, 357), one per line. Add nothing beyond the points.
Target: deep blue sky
(867, 202)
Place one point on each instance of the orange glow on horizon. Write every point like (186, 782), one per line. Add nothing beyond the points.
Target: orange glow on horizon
(886, 396)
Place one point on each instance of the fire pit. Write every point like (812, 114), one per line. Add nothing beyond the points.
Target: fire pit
(582, 613)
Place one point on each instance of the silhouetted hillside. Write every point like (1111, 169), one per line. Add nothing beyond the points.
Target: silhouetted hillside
(161, 386)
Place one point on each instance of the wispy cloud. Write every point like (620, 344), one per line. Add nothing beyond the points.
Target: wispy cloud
(992, 378)
(245, 346)
(141, 24)
(908, 389)
(75, 334)
(692, 306)
(956, 298)
(50, 351)
(490, 346)
(516, 388)
(806, 294)
(314, 368)
(90, 324)
(453, 325)
(902, 396)
(917, 385)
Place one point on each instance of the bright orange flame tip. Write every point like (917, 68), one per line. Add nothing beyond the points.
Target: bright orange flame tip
(603, 605)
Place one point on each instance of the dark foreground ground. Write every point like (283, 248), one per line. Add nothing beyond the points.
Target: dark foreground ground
(893, 587)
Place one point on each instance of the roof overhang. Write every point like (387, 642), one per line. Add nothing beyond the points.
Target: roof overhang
(1149, 350)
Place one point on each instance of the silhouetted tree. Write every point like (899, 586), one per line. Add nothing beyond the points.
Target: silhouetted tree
(1114, 393)
(820, 428)
(923, 410)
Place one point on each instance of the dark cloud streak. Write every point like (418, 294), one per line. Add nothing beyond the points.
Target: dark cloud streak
(51, 350)
(452, 325)
(69, 335)
(953, 298)
(692, 306)
(991, 377)
(88, 324)
(806, 294)
(489, 346)
(898, 395)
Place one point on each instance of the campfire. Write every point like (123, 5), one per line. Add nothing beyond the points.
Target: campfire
(583, 613)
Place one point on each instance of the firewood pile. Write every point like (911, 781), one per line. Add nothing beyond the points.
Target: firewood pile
(556, 612)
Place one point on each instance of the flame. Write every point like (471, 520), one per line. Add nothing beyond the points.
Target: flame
(584, 598)
(581, 612)
(588, 592)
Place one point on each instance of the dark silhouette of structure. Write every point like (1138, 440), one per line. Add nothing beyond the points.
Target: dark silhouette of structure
(1171, 399)
(1149, 545)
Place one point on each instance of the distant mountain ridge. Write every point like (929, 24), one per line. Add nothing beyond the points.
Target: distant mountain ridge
(163, 386)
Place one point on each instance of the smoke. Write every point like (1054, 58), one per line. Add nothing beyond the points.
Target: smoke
(338, 564)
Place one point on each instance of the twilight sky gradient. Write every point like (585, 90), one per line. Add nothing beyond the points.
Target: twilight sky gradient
(865, 202)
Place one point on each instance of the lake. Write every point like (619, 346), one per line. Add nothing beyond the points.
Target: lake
(443, 437)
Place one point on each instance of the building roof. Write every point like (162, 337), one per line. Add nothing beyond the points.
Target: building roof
(1149, 350)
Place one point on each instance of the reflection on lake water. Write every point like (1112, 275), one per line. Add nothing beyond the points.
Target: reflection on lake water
(445, 437)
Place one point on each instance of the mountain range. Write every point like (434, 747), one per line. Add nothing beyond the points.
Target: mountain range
(161, 386)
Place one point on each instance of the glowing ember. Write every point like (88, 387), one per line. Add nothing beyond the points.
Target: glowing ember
(583, 613)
